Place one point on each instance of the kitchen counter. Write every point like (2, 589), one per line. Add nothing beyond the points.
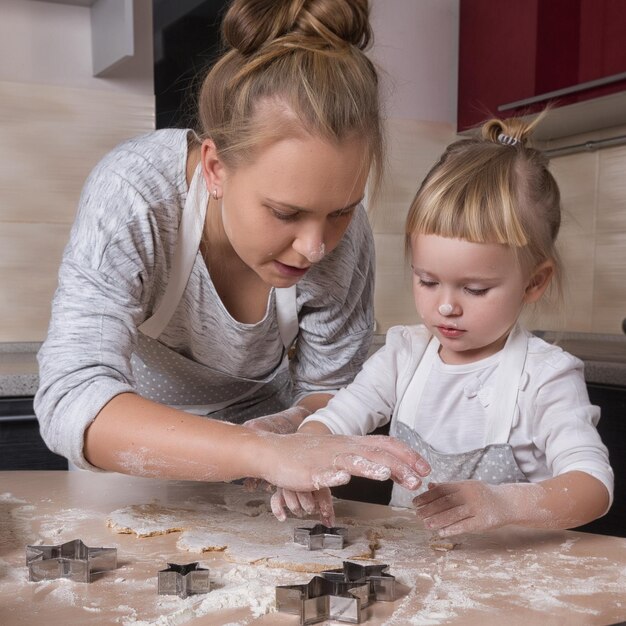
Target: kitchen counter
(604, 357)
(18, 369)
(516, 575)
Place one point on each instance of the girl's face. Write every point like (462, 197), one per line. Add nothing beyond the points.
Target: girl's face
(291, 206)
(483, 286)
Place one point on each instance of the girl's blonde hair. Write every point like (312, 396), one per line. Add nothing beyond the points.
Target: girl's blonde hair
(292, 67)
(493, 188)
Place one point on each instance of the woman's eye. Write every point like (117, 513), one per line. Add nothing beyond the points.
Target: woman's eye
(477, 292)
(285, 217)
(344, 213)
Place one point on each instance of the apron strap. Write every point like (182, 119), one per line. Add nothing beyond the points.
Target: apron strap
(287, 314)
(187, 246)
(409, 398)
(503, 408)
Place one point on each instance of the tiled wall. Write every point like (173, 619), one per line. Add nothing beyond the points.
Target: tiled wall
(50, 138)
(592, 240)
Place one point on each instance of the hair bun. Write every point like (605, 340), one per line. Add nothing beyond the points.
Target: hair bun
(250, 24)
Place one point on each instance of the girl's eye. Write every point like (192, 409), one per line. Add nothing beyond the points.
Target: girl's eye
(426, 283)
(477, 292)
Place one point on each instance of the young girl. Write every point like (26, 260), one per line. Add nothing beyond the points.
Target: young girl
(196, 258)
(502, 417)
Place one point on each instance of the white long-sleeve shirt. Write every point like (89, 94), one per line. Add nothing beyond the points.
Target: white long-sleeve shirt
(555, 429)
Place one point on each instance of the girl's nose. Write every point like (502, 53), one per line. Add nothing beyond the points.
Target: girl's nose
(446, 309)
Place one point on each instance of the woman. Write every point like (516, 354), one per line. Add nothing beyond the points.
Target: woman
(196, 259)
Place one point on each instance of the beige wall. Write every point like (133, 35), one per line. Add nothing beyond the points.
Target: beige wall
(593, 236)
(56, 122)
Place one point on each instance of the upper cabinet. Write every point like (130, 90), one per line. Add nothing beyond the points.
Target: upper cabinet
(517, 56)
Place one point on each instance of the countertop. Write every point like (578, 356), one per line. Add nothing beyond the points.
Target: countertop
(604, 357)
(513, 575)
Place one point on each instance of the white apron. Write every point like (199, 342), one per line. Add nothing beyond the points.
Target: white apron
(191, 386)
(494, 463)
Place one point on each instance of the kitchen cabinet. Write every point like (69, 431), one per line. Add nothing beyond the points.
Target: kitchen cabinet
(516, 56)
(21, 445)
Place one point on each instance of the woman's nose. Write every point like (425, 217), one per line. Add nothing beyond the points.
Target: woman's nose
(310, 244)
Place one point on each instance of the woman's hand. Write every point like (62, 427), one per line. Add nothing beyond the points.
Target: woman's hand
(304, 462)
(281, 423)
(465, 506)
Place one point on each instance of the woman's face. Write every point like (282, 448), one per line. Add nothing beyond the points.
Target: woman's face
(291, 206)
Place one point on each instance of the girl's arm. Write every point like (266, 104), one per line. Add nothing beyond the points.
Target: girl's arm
(136, 436)
(566, 501)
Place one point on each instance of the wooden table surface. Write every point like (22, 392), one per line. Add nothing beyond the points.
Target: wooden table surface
(511, 576)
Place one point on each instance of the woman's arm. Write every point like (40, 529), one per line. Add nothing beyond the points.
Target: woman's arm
(566, 501)
(137, 436)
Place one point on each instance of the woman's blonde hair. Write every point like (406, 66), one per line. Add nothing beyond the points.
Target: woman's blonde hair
(292, 66)
(493, 188)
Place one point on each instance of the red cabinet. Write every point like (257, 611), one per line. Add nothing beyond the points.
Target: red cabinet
(516, 55)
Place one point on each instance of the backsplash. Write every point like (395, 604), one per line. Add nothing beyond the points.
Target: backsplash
(51, 137)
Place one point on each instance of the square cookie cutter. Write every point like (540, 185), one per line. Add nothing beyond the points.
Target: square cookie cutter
(322, 599)
(73, 560)
(183, 580)
(319, 536)
(382, 584)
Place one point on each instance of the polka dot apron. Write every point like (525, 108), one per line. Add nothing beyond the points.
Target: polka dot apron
(166, 376)
(494, 463)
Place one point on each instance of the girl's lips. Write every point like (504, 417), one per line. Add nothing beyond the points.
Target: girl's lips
(450, 333)
(290, 270)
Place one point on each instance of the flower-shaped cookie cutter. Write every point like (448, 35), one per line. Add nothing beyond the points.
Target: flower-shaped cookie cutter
(73, 560)
(319, 536)
(183, 580)
(382, 584)
(321, 599)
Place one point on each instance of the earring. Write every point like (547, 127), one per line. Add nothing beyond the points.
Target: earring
(214, 193)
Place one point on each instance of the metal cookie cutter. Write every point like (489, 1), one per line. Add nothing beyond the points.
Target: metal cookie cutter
(321, 599)
(73, 560)
(184, 580)
(320, 536)
(382, 585)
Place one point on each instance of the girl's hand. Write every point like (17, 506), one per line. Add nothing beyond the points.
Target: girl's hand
(305, 462)
(302, 503)
(465, 506)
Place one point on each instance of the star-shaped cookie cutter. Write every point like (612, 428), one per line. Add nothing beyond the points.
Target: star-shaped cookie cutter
(382, 584)
(321, 599)
(183, 580)
(73, 560)
(320, 536)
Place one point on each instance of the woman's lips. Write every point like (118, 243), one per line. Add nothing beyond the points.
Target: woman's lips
(449, 332)
(290, 270)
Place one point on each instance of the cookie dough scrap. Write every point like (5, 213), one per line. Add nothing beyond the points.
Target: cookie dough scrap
(150, 520)
(443, 546)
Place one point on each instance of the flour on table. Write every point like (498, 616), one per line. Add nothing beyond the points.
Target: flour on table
(242, 537)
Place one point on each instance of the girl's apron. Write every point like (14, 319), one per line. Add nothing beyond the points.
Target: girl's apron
(168, 377)
(493, 463)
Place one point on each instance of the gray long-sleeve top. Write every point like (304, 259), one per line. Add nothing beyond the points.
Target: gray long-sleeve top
(115, 269)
